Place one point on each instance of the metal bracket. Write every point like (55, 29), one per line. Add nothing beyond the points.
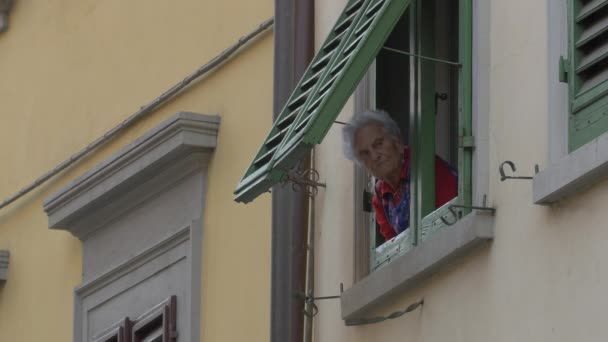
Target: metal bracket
(310, 302)
(563, 69)
(379, 319)
(306, 180)
(456, 215)
(504, 177)
(466, 141)
(439, 97)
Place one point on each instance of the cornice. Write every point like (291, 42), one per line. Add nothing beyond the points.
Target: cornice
(177, 146)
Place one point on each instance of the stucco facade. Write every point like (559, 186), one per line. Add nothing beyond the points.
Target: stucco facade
(541, 277)
(70, 72)
(147, 207)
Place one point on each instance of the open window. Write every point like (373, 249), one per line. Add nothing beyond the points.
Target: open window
(423, 67)
(421, 78)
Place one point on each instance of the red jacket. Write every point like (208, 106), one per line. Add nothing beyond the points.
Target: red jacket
(446, 188)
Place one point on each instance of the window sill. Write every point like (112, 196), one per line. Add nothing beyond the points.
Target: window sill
(413, 267)
(572, 173)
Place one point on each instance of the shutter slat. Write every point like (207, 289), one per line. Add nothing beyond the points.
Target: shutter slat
(287, 120)
(265, 157)
(336, 68)
(592, 32)
(334, 42)
(314, 105)
(592, 59)
(374, 8)
(595, 80)
(590, 8)
(297, 102)
(276, 139)
(321, 63)
(355, 6)
(345, 24)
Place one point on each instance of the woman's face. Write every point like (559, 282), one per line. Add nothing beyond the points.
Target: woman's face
(379, 152)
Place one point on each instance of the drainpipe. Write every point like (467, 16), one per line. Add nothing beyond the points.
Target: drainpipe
(5, 8)
(294, 48)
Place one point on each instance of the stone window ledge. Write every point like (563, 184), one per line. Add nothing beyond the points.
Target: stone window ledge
(413, 267)
(573, 173)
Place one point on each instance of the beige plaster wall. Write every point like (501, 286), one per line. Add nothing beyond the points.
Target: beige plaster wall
(71, 70)
(543, 278)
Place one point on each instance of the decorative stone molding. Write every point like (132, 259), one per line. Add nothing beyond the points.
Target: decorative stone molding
(183, 142)
(139, 215)
(4, 262)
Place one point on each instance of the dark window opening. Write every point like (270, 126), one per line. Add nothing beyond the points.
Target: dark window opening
(432, 32)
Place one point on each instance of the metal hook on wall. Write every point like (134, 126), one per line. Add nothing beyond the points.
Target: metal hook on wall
(503, 176)
(456, 215)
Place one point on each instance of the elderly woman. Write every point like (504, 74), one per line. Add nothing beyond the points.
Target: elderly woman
(372, 139)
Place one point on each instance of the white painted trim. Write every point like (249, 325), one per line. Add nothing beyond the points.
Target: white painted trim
(133, 263)
(116, 273)
(481, 100)
(573, 173)
(196, 272)
(557, 45)
(193, 234)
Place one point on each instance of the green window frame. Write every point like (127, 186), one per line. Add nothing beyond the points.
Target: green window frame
(586, 71)
(425, 219)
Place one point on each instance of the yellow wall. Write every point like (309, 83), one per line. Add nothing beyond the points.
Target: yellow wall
(72, 69)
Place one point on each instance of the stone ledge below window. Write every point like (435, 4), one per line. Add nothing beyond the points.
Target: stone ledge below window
(412, 268)
(573, 173)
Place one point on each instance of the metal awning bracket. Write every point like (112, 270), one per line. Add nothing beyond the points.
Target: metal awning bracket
(305, 179)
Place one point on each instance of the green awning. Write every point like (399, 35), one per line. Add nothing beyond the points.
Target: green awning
(330, 79)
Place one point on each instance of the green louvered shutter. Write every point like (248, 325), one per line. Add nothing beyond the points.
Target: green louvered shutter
(588, 72)
(334, 72)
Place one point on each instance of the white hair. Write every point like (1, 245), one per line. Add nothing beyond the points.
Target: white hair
(363, 119)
